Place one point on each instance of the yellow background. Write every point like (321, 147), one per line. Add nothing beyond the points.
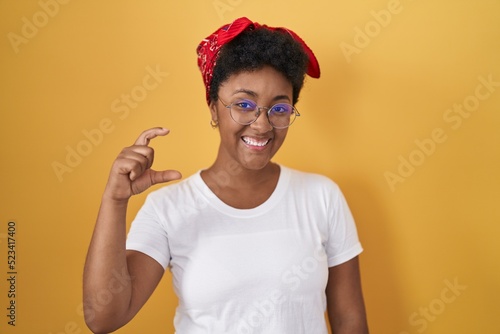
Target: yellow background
(437, 227)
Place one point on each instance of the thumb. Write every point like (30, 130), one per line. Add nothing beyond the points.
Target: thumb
(164, 176)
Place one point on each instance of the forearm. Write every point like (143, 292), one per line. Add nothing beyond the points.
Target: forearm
(349, 326)
(107, 286)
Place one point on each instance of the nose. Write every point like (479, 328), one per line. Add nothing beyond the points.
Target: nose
(262, 123)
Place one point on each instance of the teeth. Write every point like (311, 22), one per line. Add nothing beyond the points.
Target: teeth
(253, 142)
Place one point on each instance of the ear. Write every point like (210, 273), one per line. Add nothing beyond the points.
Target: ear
(213, 111)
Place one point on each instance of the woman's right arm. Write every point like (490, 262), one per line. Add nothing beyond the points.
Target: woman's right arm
(117, 282)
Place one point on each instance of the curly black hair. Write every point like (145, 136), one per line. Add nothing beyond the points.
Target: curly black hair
(256, 48)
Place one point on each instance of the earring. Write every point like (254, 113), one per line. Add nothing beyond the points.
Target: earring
(214, 124)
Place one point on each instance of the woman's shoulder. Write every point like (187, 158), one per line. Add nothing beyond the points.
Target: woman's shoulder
(308, 180)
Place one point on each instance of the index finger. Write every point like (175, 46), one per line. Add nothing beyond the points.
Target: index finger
(149, 134)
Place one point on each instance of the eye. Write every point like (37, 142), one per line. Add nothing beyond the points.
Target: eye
(244, 105)
(282, 109)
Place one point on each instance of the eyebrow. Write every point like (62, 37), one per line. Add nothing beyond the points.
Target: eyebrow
(255, 95)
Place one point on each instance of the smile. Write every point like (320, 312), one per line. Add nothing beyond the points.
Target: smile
(255, 142)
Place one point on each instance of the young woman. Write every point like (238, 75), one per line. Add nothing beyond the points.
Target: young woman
(254, 246)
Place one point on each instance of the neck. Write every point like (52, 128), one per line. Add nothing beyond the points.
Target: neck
(240, 187)
(234, 176)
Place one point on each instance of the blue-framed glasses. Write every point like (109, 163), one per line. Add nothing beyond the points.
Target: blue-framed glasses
(245, 112)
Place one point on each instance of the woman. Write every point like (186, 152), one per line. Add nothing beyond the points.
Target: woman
(252, 245)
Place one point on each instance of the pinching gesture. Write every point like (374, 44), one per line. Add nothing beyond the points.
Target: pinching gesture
(131, 172)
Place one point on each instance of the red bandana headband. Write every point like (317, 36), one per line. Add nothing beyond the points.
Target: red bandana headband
(208, 50)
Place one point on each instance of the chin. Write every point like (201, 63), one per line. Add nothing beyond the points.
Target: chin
(254, 163)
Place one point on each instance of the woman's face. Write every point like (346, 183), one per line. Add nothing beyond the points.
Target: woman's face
(251, 146)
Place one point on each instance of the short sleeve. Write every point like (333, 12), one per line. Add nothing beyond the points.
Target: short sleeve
(343, 243)
(147, 234)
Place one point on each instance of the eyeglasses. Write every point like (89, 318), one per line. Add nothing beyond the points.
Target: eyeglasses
(246, 112)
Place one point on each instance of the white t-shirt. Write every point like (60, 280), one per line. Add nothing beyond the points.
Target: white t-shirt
(240, 271)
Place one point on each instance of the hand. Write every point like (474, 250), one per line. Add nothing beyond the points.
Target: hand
(131, 172)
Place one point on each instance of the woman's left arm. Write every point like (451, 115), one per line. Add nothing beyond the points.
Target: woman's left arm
(345, 305)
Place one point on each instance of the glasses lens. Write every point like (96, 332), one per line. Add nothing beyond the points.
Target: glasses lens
(243, 111)
(281, 115)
